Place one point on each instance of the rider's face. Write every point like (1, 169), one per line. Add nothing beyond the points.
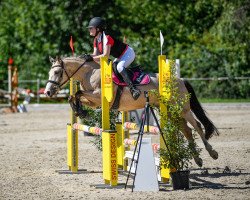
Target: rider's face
(92, 31)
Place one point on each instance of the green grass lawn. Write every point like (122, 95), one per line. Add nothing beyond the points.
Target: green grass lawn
(224, 100)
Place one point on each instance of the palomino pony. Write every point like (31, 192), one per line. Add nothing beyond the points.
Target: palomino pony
(89, 76)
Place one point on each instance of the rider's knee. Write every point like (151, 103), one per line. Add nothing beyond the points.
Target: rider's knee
(120, 66)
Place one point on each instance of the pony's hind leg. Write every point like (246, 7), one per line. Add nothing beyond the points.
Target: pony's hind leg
(187, 131)
(197, 126)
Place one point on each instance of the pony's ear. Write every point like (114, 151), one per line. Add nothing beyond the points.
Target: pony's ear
(58, 58)
(52, 60)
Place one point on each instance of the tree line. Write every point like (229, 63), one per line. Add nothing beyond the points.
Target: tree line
(210, 37)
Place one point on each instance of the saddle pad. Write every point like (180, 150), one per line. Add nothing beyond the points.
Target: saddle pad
(138, 79)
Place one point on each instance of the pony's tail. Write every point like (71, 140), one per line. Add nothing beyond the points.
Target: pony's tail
(200, 113)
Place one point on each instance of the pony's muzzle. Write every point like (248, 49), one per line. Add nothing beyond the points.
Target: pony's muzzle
(47, 93)
(51, 89)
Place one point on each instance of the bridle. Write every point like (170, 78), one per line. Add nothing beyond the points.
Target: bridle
(57, 83)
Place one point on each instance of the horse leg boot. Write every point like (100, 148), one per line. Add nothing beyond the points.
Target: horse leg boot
(76, 106)
(134, 91)
(81, 113)
(72, 104)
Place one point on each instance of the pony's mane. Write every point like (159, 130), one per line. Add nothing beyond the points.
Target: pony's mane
(80, 60)
(73, 58)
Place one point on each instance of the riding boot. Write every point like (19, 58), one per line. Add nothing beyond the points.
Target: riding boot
(134, 91)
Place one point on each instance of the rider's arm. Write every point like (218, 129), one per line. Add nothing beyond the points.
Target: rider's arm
(106, 52)
(94, 52)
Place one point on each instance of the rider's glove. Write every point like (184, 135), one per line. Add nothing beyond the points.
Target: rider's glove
(87, 57)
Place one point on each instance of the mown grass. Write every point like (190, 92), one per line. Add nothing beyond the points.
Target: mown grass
(224, 100)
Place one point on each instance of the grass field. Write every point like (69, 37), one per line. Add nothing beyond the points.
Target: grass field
(224, 100)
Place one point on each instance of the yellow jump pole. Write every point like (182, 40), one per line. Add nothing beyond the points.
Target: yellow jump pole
(72, 136)
(121, 135)
(109, 137)
(164, 75)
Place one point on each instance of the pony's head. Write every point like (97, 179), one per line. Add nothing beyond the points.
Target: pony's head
(58, 76)
(63, 69)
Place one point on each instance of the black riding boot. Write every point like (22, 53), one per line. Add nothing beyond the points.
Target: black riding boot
(134, 91)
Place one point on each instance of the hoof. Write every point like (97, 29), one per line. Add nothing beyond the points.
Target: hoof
(198, 161)
(214, 154)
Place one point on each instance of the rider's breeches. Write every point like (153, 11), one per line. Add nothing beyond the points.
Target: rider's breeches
(126, 59)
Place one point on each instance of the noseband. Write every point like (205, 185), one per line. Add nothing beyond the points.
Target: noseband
(58, 84)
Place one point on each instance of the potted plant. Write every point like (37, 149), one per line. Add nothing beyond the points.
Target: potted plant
(178, 152)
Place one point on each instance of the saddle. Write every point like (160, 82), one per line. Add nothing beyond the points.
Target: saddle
(136, 74)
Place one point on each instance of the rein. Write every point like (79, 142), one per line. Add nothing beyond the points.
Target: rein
(62, 66)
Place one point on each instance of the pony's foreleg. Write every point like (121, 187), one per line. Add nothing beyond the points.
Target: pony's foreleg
(86, 102)
(187, 131)
(197, 126)
(91, 98)
(76, 105)
(72, 104)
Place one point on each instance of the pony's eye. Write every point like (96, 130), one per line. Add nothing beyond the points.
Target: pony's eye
(57, 72)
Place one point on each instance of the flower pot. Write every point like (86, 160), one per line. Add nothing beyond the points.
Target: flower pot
(180, 179)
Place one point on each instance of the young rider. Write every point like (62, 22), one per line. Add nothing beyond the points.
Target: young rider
(124, 55)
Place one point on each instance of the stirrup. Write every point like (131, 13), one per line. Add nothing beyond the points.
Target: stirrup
(135, 93)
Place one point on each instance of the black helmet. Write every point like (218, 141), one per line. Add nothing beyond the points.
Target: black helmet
(97, 22)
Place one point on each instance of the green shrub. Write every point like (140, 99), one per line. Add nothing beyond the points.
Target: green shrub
(94, 118)
(178, 151)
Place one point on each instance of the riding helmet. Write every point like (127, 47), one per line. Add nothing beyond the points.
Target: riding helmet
(97, 22)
